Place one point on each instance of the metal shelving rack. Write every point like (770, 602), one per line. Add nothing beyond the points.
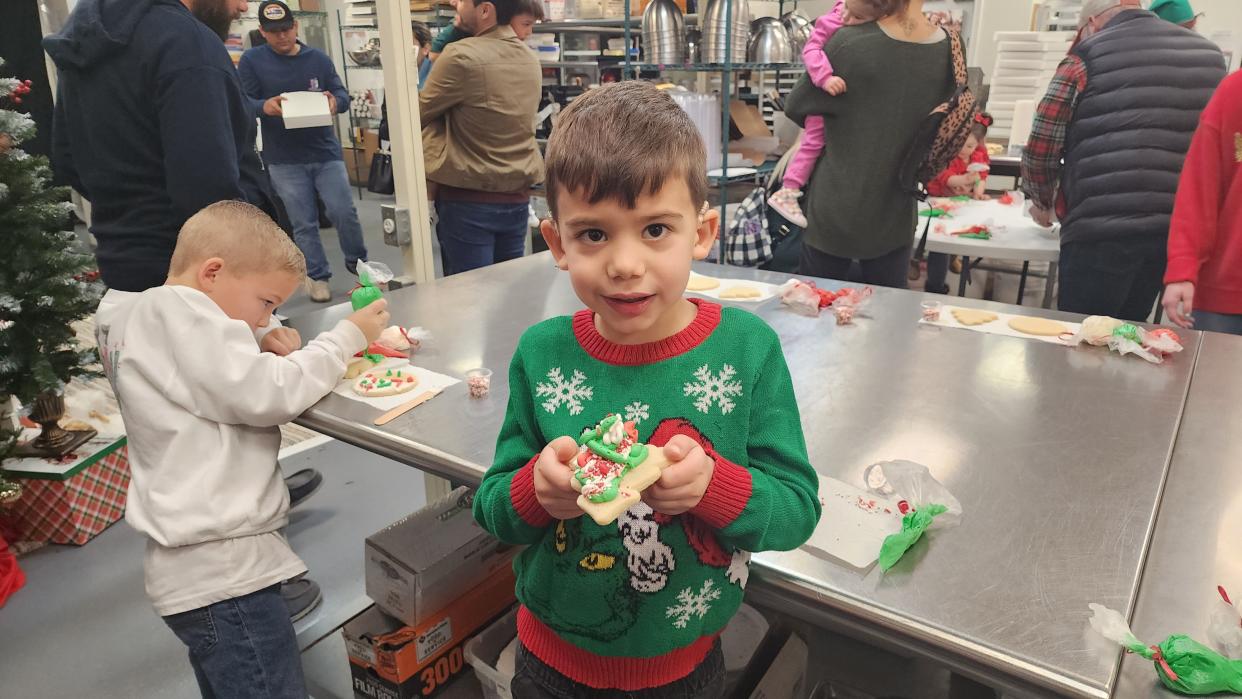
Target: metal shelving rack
(726, 70)
(349, 66)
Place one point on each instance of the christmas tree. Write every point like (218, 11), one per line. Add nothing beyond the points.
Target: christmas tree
(42, 273)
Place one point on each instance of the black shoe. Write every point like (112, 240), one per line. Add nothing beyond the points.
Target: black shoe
(352, 267)
(302, 485)
(301, 595)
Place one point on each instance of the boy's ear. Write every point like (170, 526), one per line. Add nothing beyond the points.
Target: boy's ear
(552, 237)
(705, 236)
(208, 272)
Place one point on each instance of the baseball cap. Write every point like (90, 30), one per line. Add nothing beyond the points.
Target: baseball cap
(1175, 11)
(275, 16)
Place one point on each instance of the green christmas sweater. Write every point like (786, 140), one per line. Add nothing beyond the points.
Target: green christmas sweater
(639, 603)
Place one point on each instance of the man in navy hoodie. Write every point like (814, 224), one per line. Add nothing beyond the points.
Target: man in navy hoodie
(302, 162)
(150, 125)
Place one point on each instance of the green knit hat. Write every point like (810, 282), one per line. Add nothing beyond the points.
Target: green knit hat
(1175, 11)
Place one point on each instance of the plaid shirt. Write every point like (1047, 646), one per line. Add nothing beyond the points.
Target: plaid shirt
(1041, 161)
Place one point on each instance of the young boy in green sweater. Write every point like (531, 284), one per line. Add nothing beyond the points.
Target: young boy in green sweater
(638, 606)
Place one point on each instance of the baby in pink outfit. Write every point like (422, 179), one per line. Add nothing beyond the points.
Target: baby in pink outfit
(819, 68)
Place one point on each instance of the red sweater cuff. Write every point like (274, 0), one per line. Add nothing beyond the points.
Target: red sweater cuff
(726, 496)
(1181, 269)
(522, 493)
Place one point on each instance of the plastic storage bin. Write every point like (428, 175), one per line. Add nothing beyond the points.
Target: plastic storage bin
(484, 650)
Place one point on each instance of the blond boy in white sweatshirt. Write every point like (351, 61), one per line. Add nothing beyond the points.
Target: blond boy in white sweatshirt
(202, 407)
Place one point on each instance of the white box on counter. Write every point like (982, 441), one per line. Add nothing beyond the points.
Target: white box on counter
(417, 565)
(303, 110)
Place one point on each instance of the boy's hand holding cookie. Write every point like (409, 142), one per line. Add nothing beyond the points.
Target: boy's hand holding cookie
(552, 477)
(371, 319)
(682, 484)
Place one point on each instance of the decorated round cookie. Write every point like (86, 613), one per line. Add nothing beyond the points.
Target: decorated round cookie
(386, 382)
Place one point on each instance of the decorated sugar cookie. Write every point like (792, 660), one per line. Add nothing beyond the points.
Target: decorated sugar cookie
(613, 468)
(385, 382)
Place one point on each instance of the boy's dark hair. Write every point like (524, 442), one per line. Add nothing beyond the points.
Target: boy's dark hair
(422, 34)
(622, 141)
(534, 8)
(505, 10)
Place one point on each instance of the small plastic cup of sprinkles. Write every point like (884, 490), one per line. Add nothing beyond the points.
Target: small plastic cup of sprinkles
(931, 311)
(479, 381)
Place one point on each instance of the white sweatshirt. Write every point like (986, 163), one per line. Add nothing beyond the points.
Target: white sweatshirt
(202, 409)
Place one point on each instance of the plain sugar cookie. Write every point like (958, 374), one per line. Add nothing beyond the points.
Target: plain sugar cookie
(387, 382)
(1037, 326)
(741, 292)
(699, 282)
(970, 316)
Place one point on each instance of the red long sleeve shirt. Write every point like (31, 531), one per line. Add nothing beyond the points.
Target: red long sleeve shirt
(939, 187)
(1205, 236)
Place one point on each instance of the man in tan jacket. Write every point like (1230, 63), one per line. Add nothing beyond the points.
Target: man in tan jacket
(478, 116)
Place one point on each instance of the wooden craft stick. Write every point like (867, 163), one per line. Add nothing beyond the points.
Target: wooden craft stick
(406, 407)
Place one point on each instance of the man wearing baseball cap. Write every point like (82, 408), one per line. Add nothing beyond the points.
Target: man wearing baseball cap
(303, 163)
(1176, 11)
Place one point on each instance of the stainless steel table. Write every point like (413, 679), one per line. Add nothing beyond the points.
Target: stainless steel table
(1058, 456)
(1197, 544)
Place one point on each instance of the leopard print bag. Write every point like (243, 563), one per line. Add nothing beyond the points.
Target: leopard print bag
(942, 133)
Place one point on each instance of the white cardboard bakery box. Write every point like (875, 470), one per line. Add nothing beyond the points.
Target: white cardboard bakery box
(420, 563)
(303, 110)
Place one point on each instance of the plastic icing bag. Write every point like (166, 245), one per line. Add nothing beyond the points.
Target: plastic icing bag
(924, 501)
(912, 527)
(1183, 664)
(370, 276)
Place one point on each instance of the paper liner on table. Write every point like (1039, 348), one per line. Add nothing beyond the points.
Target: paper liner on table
(427, 381)
(854, 524)
(1000, 326)
(766, 291)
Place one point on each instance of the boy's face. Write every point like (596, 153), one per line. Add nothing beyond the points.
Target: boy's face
(523, 25)
(247, 297)
(630, 266)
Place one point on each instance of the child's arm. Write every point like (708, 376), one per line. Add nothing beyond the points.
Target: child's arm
(981, 156)
(817, 64)
(215, 370)
(939, 185)
(447, 35)
(773, 504)
(505, 503)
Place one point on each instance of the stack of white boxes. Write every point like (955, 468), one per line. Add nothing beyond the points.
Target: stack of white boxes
(1025, 64)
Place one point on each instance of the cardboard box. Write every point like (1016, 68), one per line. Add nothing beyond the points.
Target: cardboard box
(70, 501)
(358, 158)
(417, 565)
(390, 661)
(303, 110)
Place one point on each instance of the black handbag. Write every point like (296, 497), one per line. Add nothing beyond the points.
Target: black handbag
(380, 180)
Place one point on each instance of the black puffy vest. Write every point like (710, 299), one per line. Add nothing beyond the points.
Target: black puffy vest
(1147, 82)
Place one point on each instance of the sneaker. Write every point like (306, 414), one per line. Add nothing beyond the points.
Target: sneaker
(301, 596)
(318, 290)
(785, 201)
(302, 485)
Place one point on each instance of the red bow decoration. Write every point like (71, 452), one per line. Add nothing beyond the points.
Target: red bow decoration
(985, 119)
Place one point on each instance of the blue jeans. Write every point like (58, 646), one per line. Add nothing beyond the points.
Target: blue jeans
(1218, 322)
(297, 186)
(533, 679)
(243, 648)
(474, 235)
